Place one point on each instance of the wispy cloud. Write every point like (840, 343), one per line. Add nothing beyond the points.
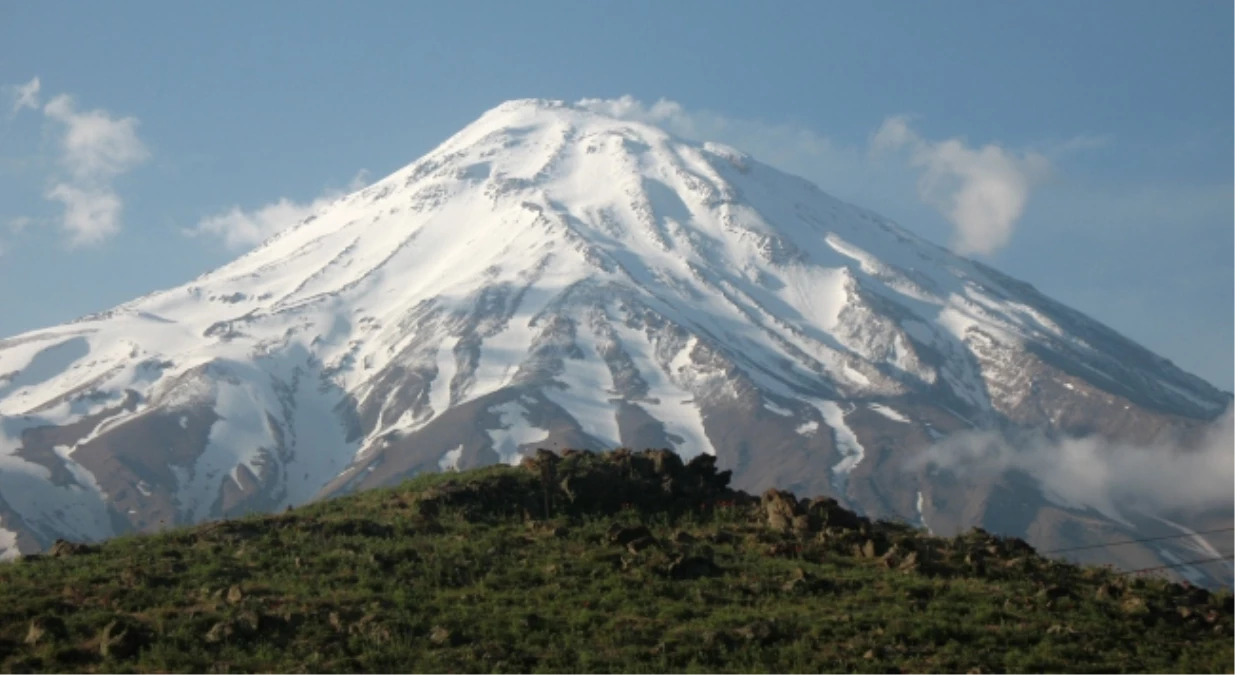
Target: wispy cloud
(90, 215)
(26, 96)
(94, 148)
(1115, 479)
(242, 229)
(981, 191)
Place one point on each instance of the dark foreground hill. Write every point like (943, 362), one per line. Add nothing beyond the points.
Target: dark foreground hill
(628, 562)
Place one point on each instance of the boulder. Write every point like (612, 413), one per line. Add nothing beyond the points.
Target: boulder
(722, 537)
(441, 637)
(781, 509)
(622, 536)
(665, 462)
(220, 632)
(45, 629)
(868, 549)
(760, 632)
(827, 512)
(64, 549)
(1055, 592)
(692, 567)
(372, 627)
(641, 544)
(683, 537)
(799, 581)
(1107, 590)
(120, 639)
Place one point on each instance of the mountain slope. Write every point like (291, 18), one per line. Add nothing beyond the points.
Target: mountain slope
(624, 562)
(554, 277)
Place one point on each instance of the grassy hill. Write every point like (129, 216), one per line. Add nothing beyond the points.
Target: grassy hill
(627, 562)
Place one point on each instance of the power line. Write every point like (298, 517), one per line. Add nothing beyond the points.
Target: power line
(1136, 541)
(1182, 564)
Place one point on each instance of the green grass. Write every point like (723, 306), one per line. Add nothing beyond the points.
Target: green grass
(469, 572)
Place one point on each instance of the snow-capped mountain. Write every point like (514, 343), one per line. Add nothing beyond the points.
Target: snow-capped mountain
(552, 277)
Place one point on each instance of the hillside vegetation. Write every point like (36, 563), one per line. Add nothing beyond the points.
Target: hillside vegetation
(628, 562)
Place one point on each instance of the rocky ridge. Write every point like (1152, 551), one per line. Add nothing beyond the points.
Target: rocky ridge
(501, 569)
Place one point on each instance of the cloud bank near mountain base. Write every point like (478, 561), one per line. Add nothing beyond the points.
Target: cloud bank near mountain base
(1115, 479)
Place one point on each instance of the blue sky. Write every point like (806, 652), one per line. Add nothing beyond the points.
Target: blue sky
(1096, 135)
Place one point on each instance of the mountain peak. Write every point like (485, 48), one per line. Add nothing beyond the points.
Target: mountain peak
(526, 104)
(553, 274)
(521, 118)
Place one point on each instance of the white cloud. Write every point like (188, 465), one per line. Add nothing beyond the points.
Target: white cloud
(1115, 479)
(94, 145)
(982, 191)
(360, 180)
(240, 229)
(90, 215)
(94, 149)
(26, 96)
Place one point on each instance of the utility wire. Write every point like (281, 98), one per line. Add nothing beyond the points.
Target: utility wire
(1136, 541)
(1182, 564)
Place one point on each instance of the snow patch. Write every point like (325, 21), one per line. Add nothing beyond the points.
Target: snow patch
(783, 412)
(236, 439)
(855, 376)
(668, 402)
(43, 366)
(501, 354)
(584, 383)
(922, 516)
(450, 459)
(1200, 545)
(8, 545)
(1189, 572)
(514, 432)
(818, 294)
(847, 444)
(889, 413)
(321, 450)
(76, 510)
(1190, 398)
(439, 389)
